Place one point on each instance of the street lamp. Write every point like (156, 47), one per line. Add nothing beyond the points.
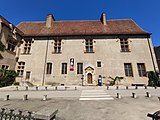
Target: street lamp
(82, 80)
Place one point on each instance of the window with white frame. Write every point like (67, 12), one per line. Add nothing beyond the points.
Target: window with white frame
(89, 45)
(49, 68)
(6, 67)
(20, 68)
(99, 64)
(141, 69)
(27, 46)
(28, 73)
(79, 68)
(124, 45)
(64, 68)
(57, 46)
(128, 69)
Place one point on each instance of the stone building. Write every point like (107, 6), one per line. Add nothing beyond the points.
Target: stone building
(79, 52)
(157, 53)
(10, 37)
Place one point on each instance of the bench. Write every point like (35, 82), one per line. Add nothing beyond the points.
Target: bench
(46, 113)
(155, 116)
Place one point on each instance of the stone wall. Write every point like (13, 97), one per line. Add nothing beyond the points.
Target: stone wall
(106, 49)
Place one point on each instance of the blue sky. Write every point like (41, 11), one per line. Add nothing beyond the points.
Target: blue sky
(146, 13)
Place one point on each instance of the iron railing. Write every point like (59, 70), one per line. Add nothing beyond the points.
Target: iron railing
(11, 114)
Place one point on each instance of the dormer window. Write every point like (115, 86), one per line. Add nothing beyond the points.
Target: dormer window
(124, 45)
(27, 46)
(89, 45)
(57, 46)
(20, 68)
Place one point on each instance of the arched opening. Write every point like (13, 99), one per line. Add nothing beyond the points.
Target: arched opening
(89, 78)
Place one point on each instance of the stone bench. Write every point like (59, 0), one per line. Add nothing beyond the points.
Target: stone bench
(46, 113)
(155, 116)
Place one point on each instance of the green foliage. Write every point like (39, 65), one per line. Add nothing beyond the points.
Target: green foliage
(116, 79)
(7, 77)
(153, 78)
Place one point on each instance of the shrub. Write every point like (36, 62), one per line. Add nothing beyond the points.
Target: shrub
(153, 78)
(7, 77)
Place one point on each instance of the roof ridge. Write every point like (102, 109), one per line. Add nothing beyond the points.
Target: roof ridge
(75, 20)
(120, 19)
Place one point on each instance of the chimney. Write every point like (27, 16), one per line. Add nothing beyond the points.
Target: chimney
(49, 20)
(103, 18)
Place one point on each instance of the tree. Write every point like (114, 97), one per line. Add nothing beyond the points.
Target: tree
(2, 48)
(116, 79)
(153, 78)
(7, 77)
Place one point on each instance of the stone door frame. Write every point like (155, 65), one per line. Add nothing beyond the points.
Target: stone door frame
(89, 70)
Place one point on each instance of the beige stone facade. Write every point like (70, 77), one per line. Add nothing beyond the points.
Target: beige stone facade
(107, 50)
(10, 36)
(80, 52)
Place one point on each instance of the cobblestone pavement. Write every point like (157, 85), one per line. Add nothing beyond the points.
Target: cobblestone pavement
(72, 108)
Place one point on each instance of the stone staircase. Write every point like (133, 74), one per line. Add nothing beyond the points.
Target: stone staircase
(27, 83)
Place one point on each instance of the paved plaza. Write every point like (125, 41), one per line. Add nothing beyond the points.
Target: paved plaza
(85, 103)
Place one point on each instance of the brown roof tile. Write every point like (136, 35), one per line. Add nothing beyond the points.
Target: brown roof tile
(71, 28)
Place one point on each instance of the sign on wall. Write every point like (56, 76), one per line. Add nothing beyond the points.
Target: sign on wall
(72, 64)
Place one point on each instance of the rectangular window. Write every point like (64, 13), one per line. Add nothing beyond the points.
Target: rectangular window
(49, 68)
(128, 69)
(124, 45)
(89, 46)
(28, 73)
(5, 67)
(99, 64)
(20, 69)
(79, 68)
(141, 69)
(11, 45)
(57, 46)
(64, 68)
(27, 46)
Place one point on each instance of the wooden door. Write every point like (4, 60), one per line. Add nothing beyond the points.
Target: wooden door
(89, 76)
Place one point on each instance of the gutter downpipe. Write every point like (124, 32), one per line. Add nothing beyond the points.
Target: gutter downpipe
(151, 54)
(43, 81)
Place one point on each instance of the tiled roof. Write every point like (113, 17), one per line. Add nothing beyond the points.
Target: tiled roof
(7, 23)
(72, 28)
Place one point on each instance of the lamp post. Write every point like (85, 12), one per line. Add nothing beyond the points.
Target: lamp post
(82, 80)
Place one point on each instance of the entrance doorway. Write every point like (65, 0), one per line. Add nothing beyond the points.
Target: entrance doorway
(89, 78)
(28, 73)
